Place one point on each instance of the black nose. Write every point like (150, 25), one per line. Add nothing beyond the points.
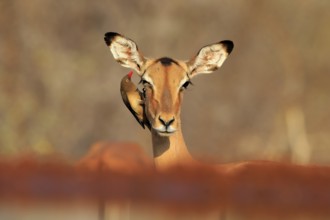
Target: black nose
(166, 123)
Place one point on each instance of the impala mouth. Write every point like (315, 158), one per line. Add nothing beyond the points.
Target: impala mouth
(163, 131)
(166, 133)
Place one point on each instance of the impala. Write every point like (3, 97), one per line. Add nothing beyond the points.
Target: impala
(164, 81)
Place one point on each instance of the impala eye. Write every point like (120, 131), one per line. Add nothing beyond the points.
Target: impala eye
(144, 82)
(185, 85)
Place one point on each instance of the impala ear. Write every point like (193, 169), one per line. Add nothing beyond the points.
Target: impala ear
(210, 58)
(125, 51)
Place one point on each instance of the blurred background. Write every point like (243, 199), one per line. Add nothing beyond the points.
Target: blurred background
(59, 84)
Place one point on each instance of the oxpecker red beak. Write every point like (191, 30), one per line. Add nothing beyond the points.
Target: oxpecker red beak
(130, 74)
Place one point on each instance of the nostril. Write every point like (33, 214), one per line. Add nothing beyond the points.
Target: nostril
(166, 123)
(170, 121)
(161, 120)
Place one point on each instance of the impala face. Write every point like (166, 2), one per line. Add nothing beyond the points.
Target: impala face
(165, 79)
(163, 84)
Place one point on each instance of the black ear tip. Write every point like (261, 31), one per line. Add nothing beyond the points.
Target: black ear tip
(229, 45)
(109, 36)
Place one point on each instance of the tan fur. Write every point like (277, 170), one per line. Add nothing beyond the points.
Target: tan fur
(165, 98)
(163, 81)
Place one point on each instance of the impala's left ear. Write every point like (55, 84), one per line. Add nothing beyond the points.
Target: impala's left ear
(210, 58)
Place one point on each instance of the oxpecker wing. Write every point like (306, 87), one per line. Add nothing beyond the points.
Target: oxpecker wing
(133, 99)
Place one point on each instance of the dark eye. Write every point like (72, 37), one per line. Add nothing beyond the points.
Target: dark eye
(144, 82)
(185, 85)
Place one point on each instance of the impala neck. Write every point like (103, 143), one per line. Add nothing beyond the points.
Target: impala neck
(171, 150)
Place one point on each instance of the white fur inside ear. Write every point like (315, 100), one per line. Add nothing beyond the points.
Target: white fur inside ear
(213, 55)
(208, 59)
(126, 53)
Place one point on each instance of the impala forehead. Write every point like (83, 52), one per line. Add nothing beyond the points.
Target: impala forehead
(166, 72)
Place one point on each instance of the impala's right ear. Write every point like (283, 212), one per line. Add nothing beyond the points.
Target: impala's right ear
(125, 51)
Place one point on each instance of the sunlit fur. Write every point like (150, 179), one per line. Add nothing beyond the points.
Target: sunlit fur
(164, 81)
(163, 94)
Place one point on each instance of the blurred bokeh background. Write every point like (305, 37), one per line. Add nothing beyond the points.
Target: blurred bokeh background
(59, 84)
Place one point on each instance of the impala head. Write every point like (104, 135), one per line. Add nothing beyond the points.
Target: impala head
(165, 79)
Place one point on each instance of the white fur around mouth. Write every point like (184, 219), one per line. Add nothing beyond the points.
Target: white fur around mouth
(165, 132)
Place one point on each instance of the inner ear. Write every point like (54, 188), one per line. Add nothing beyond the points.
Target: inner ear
(125, 51)
(210, 58)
